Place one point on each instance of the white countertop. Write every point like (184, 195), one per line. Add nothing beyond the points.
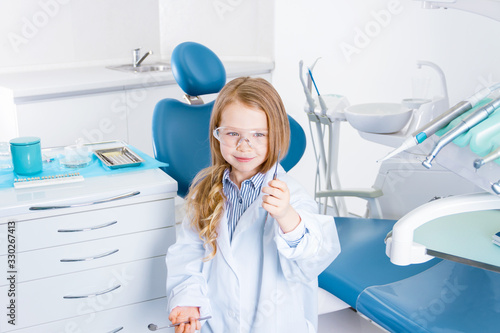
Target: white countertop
(43, 84)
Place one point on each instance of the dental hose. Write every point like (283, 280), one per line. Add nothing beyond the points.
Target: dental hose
(444, 119)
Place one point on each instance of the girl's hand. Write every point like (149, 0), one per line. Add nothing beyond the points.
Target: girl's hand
(277, 203)
(184, 313)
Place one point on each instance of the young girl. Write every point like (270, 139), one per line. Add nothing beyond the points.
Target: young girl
(251, 247)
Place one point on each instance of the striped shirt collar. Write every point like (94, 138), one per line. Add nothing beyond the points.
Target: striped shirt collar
(256, 180)
(238, 200)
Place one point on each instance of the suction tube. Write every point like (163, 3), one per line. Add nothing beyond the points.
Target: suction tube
(466, 124)
(444, 119)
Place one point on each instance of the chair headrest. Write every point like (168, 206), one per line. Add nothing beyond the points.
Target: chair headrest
(197, 69)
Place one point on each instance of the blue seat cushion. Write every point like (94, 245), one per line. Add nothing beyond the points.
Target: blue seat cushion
(449, 297)
(362, 262)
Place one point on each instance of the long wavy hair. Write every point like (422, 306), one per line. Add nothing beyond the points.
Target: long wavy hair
(205, 200)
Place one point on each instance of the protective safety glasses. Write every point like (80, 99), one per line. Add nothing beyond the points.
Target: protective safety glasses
(233, 137)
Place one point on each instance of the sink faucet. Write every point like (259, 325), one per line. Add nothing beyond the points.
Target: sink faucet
(136, 56)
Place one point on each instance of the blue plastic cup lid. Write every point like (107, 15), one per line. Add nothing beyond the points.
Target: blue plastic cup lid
(25, 141)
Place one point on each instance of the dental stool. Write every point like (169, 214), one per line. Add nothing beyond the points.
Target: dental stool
(180, 130)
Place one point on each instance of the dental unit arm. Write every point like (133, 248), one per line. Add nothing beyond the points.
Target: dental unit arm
(401, 248)
(307, 92)
(466, 124)
(444, 119)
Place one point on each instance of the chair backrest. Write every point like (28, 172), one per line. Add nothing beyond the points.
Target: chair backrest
(180, 130)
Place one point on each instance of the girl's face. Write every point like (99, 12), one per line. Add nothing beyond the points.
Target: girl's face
(245, 158)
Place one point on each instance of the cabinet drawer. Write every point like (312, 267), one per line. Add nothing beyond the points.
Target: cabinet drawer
(87, 292)
(89, 255)
(131, 319)
(89, 225)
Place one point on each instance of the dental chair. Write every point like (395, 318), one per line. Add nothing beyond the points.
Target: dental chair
(180, 130)
(390, 272)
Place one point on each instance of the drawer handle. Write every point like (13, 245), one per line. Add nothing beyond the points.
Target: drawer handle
(91, 258)
(116, 330)
(119, 197)
(93, 295)
(90, 228)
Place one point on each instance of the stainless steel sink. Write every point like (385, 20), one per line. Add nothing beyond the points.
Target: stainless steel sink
(154, 67)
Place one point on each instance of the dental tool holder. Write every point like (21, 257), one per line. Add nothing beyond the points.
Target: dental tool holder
(325, 114)
(460, 160)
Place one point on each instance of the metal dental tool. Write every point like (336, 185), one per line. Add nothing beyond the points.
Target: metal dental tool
(465, 124)
(488, 158)
(444, 119)
(496, 187)
(322, 103)
(275, 175)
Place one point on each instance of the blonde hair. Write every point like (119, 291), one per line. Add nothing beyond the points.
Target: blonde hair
(205, 200)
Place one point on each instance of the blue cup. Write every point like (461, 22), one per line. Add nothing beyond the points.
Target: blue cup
(26, 155)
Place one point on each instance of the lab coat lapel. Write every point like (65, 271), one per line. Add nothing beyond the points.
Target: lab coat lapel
(223, 244)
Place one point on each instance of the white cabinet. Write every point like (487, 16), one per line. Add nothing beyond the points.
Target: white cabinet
(60, 121)
(94, 266)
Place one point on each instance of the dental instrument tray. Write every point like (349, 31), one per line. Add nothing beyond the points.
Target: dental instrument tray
(119, 157)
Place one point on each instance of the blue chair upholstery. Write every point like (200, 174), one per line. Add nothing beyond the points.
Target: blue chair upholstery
(180, 130)
(449, 297)
(362, 263)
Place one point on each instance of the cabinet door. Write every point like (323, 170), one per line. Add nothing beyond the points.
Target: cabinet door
(131, 318)
(89, 225)
(60, 121)
(83, 256)
(85, 293)
(140, 106)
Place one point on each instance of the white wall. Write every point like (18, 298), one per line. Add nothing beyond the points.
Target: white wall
(379, 68)
(54, 33)
(233, 29)
(41, 34)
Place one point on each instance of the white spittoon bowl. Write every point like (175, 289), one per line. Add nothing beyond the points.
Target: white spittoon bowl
(380, 118)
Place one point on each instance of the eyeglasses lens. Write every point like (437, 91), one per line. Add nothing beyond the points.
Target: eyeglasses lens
(233, 137)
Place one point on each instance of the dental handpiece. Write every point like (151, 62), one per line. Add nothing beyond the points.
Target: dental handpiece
(488, 158)
(430, 128)
(465, 124)
(322, 104)
(421, 134)
(496, 187)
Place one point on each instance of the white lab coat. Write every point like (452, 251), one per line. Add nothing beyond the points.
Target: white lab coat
(256, 283)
